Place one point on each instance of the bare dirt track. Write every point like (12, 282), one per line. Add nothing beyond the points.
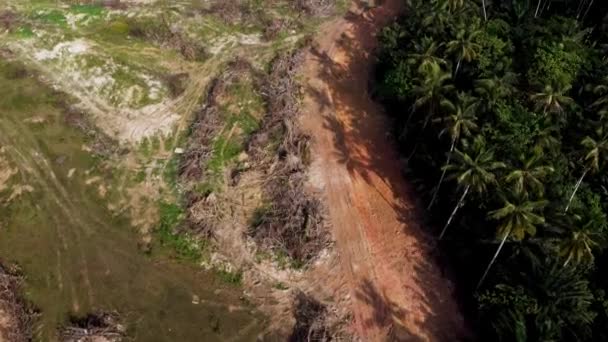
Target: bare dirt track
(396, 289)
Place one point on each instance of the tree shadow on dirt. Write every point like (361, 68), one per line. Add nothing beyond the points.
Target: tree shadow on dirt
(363, 145)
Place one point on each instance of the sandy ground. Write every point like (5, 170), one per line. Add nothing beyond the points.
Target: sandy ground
(396, 290)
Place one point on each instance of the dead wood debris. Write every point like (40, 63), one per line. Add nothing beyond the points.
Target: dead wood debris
(316, 8)
(168, 36)
(98, 327)
(316, 322)
(101, 144)
(9, 19)
(204, 210)
(16, 316)
(114, 4)
(292, 221)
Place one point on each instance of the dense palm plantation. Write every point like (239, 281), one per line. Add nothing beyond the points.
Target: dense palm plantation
(501, 109)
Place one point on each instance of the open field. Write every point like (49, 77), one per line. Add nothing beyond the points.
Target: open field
(98, 100)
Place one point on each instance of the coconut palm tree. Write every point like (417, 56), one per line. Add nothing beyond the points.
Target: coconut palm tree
(594, 160)
(455, 5)
(425, 54)
(473, 170)
(577, 246)
(528, 177)
(552, 99)
(438, 17)
(494, 89)
(580, 232)
(546, 140)
(464, 47)
(432, 86)
(459, 121)
(518, 217)
(601, 104)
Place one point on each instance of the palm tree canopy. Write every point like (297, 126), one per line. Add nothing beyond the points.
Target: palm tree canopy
(596, 150)
(551, 99)
(529, 176)
(518, 217)
(460, 118)
(496, 88)
(425, 53)
(464, 46)
(432, 84)
(475, 167)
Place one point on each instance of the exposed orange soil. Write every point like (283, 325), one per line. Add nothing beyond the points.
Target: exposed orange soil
(396, 289)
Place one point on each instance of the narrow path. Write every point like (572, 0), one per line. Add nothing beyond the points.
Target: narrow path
(397, 291)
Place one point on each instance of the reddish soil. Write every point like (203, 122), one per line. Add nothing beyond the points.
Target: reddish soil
(396, 289)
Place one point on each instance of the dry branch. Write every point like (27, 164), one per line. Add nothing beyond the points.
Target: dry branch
(94, 327)
(292, 222)
(316, 8)
(204, 211)
(16, 316)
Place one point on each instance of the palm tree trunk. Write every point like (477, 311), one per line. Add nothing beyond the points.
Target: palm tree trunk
(457, 67)
(588, 8)
(460, 202)
(442, 174)
(430, 114)
(537, 8)
(485, 15)
(485, 274)
(581, 5)
(578, 184)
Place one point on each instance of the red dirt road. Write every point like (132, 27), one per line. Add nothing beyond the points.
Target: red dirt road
(397, 292)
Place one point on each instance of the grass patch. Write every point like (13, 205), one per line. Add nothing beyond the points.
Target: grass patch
(89, 9)
(24, 32)
(184, 246)
(230, 277)
(281, 286)
(259, 216)
(224, 150)
(52, 17)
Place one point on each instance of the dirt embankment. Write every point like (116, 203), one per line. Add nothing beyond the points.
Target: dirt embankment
(394, 287)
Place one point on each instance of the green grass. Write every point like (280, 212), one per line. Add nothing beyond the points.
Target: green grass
(51, 17)
(24, 32)
(280, 286)
(259, 216)
(92, 10)
(184, 246)
(229, 277)
(224, 150)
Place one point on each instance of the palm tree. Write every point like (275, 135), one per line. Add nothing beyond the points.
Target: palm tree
(580, 232)
(438, 17)
(528, 178)
(459, 121)
(518, 218)
(473, 170)
(601, 90)
(594, 160)
(425, 54)
(552, 99)
(546, 140)
(464, 47)
(433, 85)
(494, 89)
(455, 5)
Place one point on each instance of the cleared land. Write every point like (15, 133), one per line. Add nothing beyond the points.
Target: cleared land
(395, 288)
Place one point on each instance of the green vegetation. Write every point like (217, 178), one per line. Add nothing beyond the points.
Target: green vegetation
(185, 247)
(501, 108)
(230, 277)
